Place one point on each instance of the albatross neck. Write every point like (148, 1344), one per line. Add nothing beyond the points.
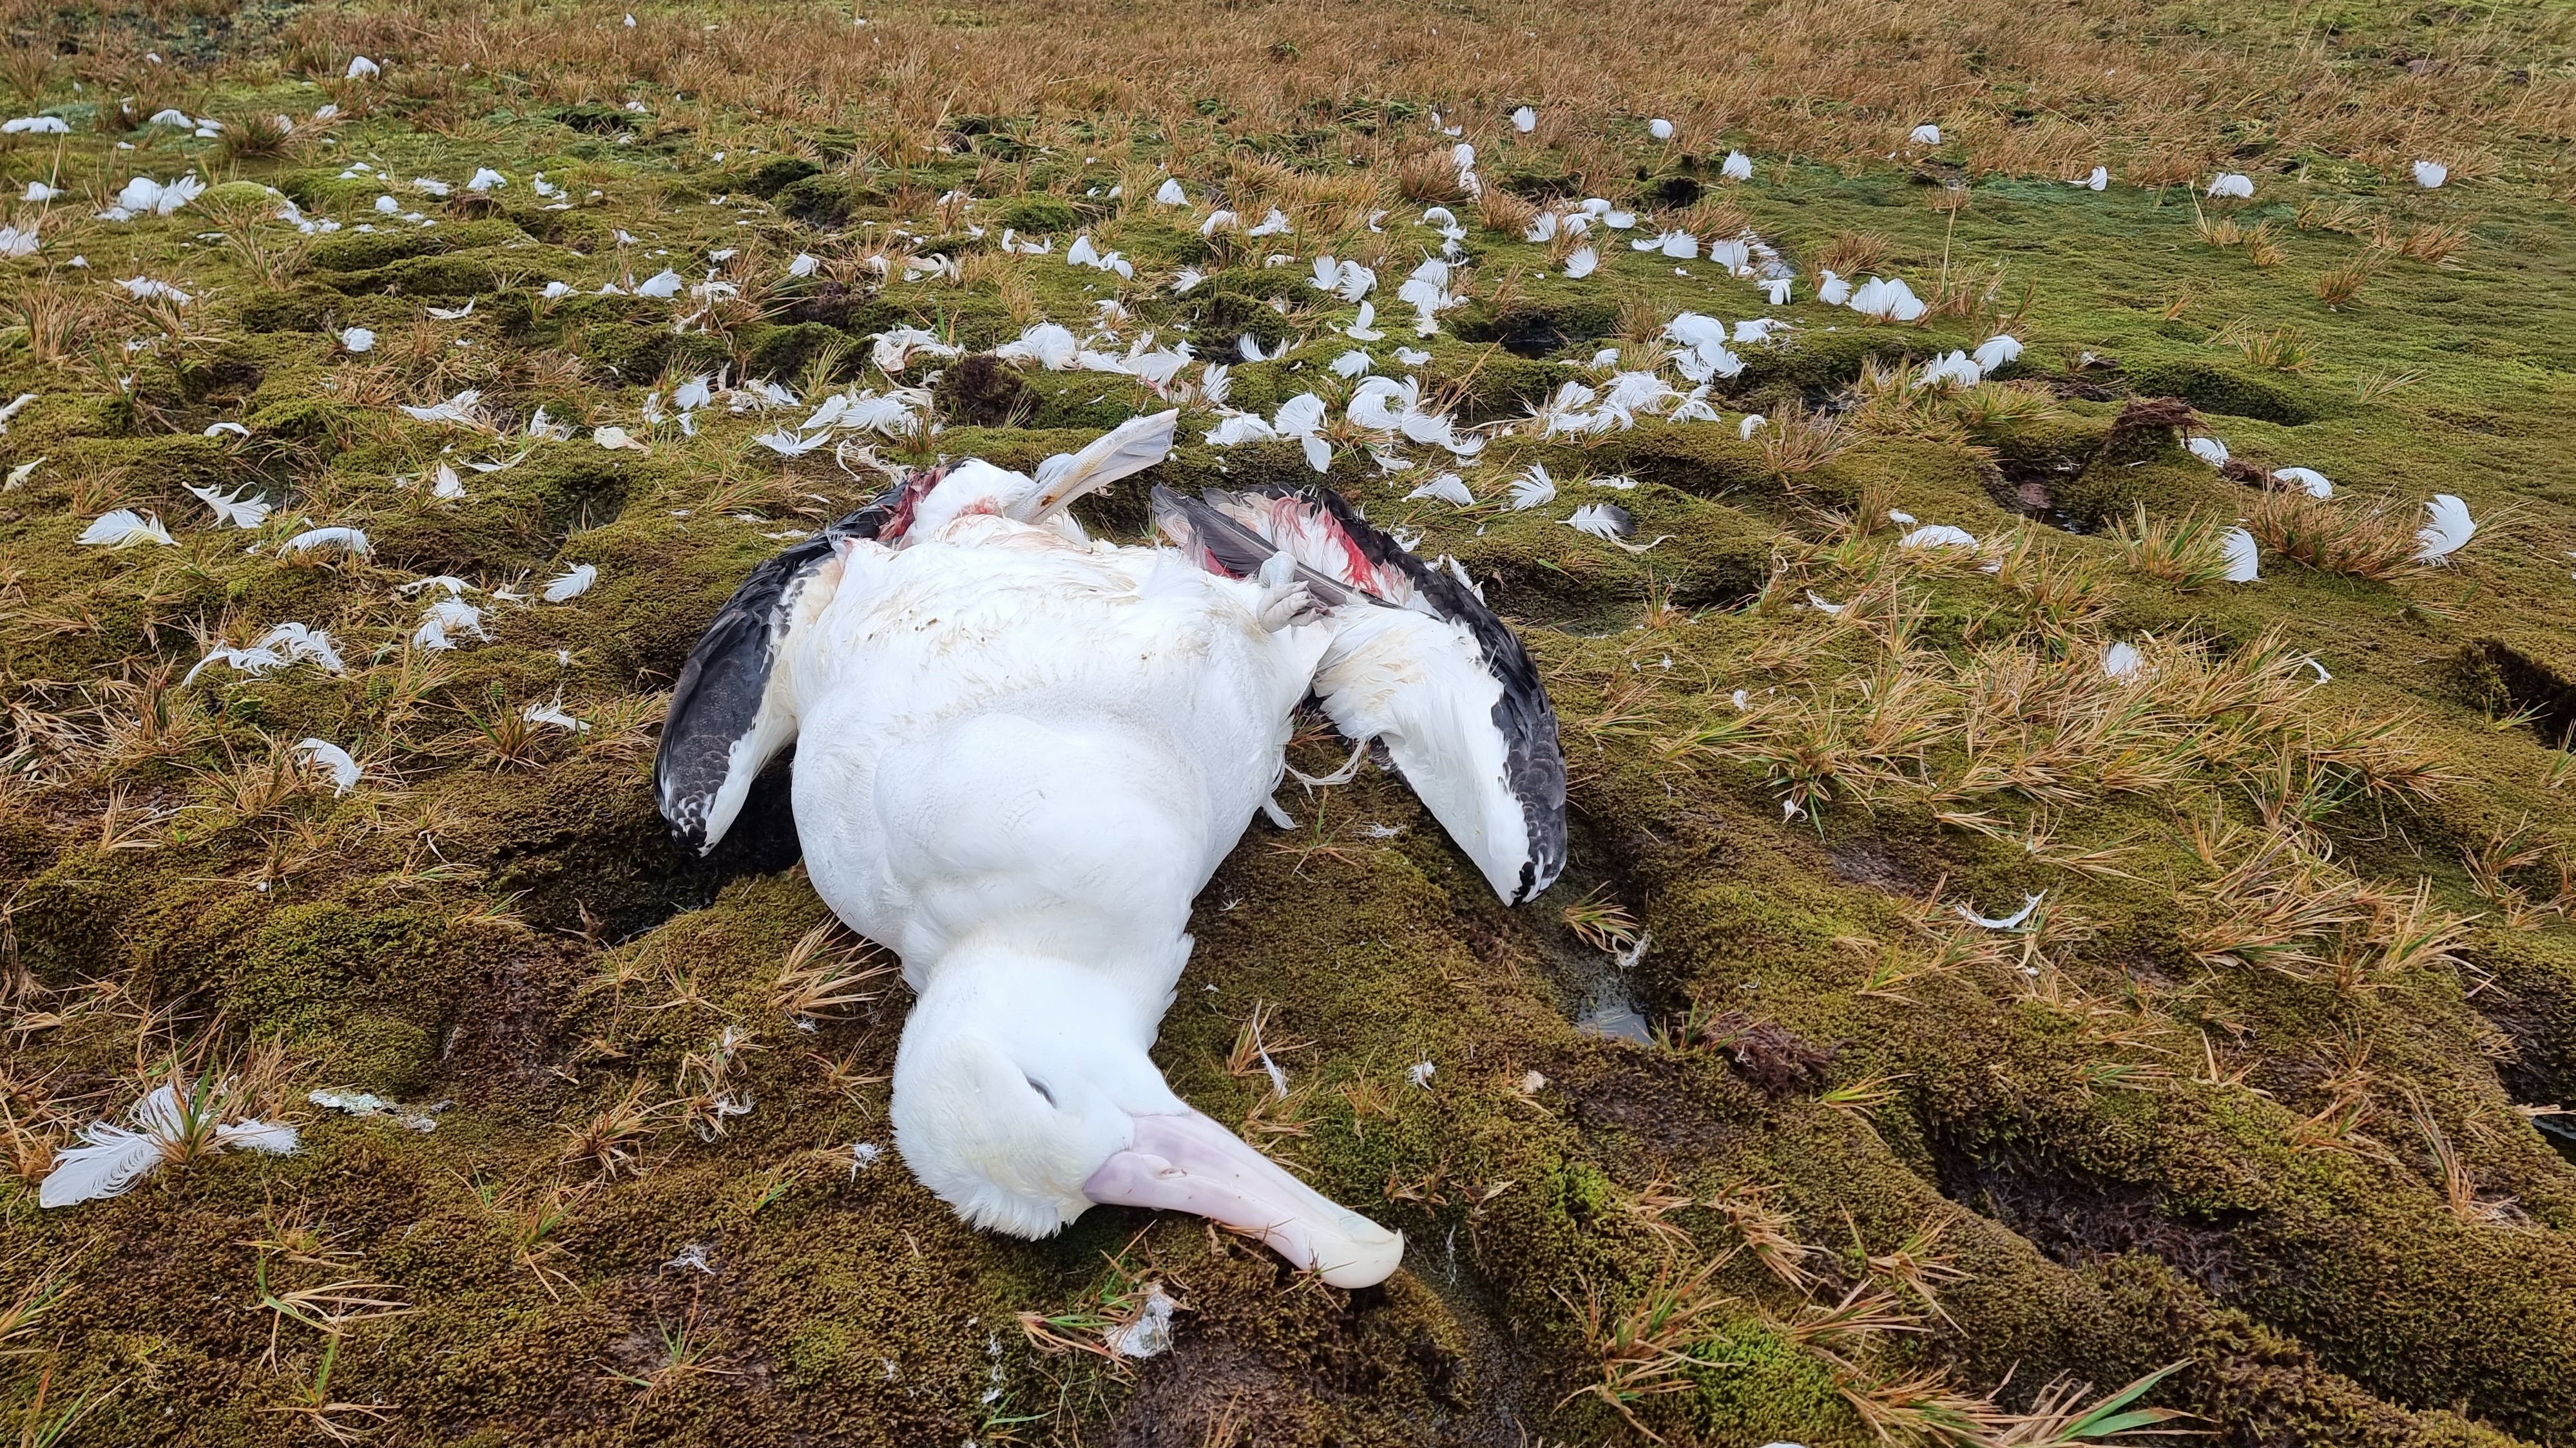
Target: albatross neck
(1033, 985)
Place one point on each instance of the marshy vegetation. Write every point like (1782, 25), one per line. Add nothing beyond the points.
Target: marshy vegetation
(2019, 980)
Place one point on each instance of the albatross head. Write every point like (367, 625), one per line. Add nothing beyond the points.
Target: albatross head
(1025, 1098)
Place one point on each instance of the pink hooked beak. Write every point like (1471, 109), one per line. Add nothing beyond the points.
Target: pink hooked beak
(1185, 1162)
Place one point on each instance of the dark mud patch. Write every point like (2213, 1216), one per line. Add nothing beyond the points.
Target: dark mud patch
(2080, 1220)
(1382, 1365)
(617, 873)
(1666, 1107)
(2526, 685)
(1873, 863)
(1537, 329)
(1771, 1056)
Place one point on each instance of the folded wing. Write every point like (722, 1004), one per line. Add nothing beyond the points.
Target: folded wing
(730, 712)
(1418, 663)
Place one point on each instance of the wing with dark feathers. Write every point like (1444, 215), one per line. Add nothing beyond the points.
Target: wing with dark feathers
(729, 714)
(1418, 663)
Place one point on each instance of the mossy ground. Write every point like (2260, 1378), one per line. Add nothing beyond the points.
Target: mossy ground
(2101, 1143)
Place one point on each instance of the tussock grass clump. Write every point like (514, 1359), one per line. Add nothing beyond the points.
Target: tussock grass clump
(2376, 541)
(2189, 552)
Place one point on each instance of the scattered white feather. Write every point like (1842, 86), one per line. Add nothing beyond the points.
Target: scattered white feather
(1949, 369)
(571, 584)
(237, 508)
(2244, 559)
(285, 644)
(442, 621)
(1150, 1334)
(1738, 167)
(124, 528)
(2232, 185)
(369, 1104)
(343, 769)
(145, 289)
(1997, 352)
(553, 713)
(1602, 520)
(112, 1158)
(2013, 921)
(1525, 120)
(2121, 660)
(2308, 480)
(1886, 300)
(1420, 1073)
(1533, 488)
(2448, 529)
(1938, 535)
(143, 196)
(464, 409)
(2208, 449)
(1447, 488)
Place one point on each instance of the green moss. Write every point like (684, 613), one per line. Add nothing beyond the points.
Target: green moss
(1039, 213)
(306, 419)
(625, 349)
(783, 352)
(825, 200)
(1755, 1387)
(1536, 326)
(777, 174)
(352, 251)
(2217, 387)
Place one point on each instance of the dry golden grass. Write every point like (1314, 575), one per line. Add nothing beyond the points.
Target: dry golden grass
(2120, 89)
(1643, 1348)
(2364, 540)
(821, 978)
(2189, 552)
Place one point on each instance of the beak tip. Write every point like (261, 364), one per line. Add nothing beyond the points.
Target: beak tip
(1364, 1261)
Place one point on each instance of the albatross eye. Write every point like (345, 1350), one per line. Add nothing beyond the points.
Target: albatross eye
(1039, 1087)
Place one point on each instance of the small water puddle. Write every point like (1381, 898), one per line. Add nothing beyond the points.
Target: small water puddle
(2559, 1132)
(1609, 1011)
(1603, 997)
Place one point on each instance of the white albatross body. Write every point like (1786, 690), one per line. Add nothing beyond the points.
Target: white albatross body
(1079, 737)
(1021, 754)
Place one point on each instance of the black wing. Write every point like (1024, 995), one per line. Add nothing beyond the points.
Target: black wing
(1474, 786)
(728, 719)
